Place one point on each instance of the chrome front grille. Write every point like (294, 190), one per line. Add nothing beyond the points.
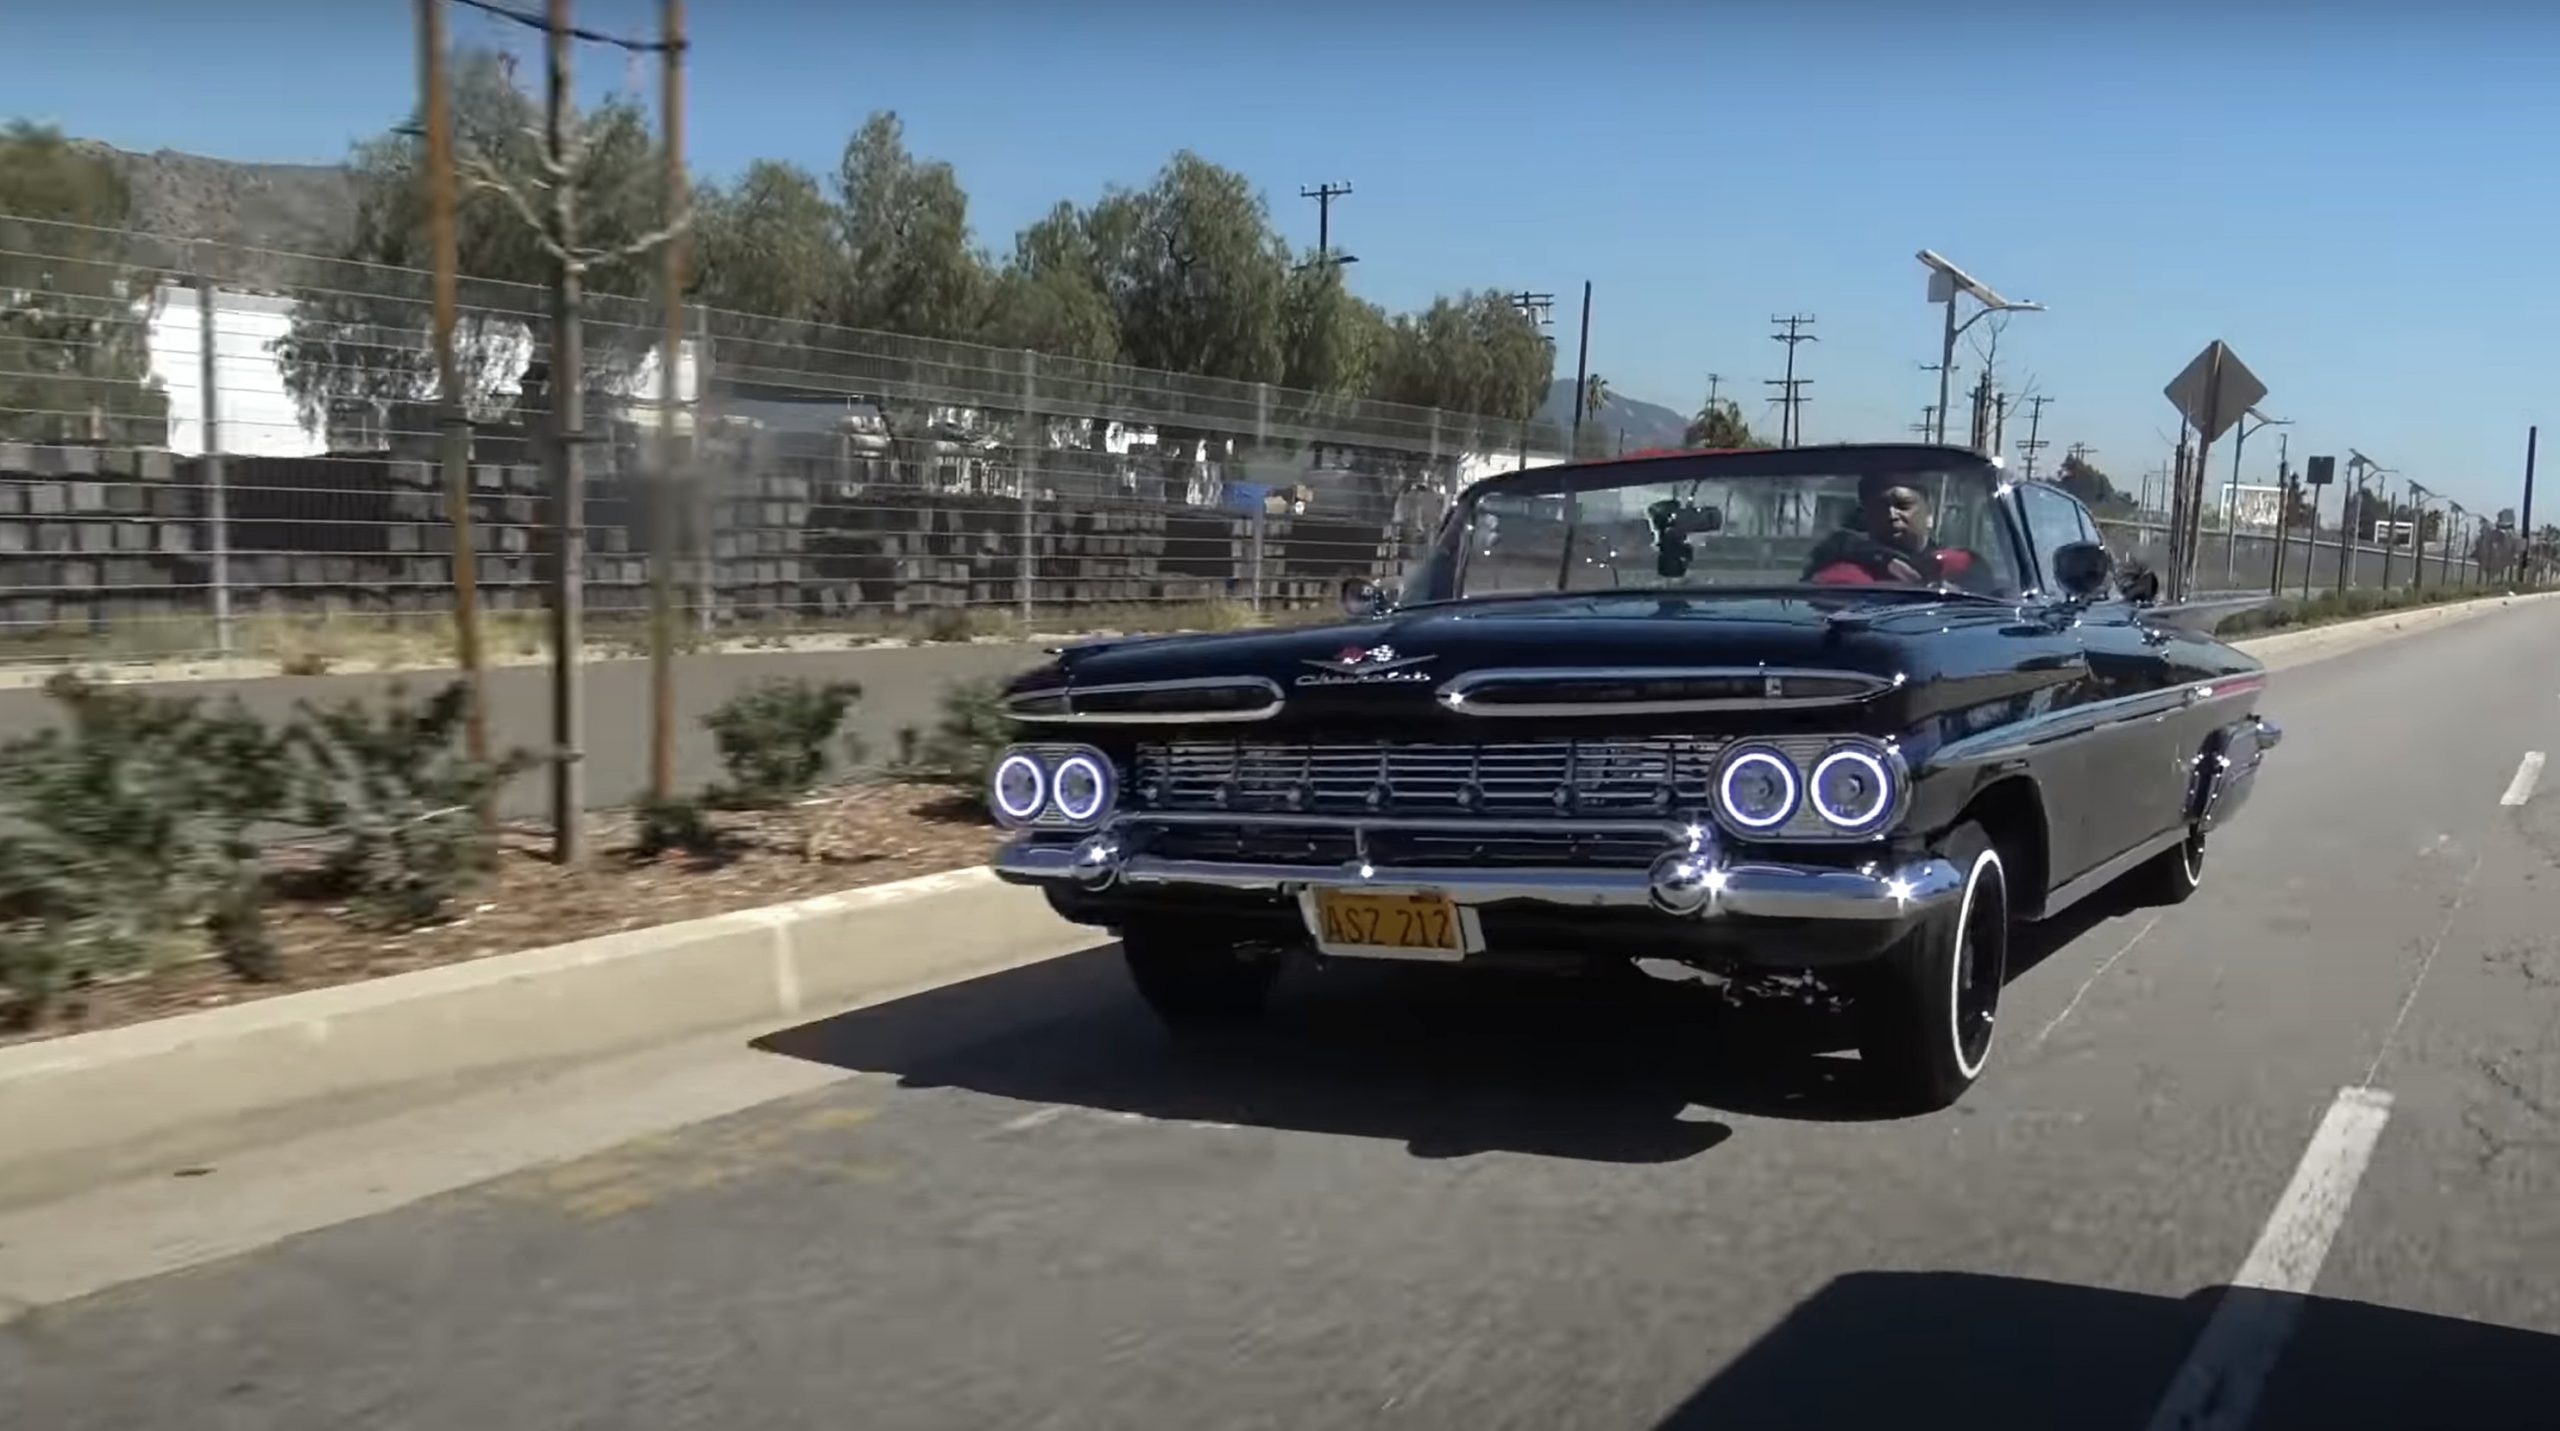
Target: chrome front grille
(1631, 777)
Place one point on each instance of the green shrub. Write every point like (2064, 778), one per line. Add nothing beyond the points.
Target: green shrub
(970, 733)
(676, 824)
(124, 839)
(400, 805)
(2334, 605)
(776, 738)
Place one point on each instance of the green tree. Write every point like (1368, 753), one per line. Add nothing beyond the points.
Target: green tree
(74, 362)
(1194, 272)
(910, 267)
(357, 348)
(1049, 296)
(1471, 353)
(1719, 424)
(768, 246)
(2082, 479)
(1332, 342)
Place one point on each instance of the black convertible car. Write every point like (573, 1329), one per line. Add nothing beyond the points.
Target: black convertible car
(1848, 711)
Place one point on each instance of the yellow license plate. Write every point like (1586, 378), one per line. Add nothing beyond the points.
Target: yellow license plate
(1420, 925)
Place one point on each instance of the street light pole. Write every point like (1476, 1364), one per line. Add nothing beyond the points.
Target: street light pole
(2231, 493)
(2418, 536)
(1947, 283)
(1946, 364)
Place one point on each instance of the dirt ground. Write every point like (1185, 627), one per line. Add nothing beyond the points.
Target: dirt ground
(856, 835)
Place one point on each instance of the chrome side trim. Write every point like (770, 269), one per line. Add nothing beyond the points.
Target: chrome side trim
(1070, 694)
(2018, 736)
(2080, 887)
(1453, 695)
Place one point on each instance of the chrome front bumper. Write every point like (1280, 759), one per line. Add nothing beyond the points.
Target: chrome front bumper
(1692, 879)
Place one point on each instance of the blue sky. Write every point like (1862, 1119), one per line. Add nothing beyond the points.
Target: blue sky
(2359, 198)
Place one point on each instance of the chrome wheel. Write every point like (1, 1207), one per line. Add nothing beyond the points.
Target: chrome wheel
(1927, 1007)
(1981, 962)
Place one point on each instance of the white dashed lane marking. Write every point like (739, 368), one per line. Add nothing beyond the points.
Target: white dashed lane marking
(2217, 1387)
(2528, 771)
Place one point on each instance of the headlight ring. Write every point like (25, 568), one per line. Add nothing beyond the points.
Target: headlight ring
(1757, 789)
(1057, 786)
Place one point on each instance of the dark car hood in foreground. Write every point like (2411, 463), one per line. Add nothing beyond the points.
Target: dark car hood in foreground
(1920, 641)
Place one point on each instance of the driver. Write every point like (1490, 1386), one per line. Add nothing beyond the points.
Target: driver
(1891, 545)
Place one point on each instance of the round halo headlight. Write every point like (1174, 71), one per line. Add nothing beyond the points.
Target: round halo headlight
(1757, 789)
(1081, 788)
(1851, 788)
(1018, 788)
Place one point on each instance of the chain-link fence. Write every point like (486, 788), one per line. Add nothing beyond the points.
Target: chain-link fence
(2245, 562)
(203, 447)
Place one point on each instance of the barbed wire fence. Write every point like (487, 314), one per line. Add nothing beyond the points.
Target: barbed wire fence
(833, 478)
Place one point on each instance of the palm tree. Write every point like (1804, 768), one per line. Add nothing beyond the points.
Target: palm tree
(1595, 396)
(1719, 424)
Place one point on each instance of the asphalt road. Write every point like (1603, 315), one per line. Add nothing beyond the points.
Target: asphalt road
(2332, 1077)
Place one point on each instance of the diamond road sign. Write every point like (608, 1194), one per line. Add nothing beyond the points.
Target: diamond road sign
(2214, 391)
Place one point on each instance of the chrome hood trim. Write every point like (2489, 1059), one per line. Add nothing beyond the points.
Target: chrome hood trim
(1775, 688)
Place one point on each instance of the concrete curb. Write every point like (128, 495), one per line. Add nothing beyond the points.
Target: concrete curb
(88, 1108)
(2282, 649)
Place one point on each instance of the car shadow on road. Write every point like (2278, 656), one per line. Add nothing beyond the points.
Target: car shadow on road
(1984, 1353)
(1624, 1071)
(1447, 1066)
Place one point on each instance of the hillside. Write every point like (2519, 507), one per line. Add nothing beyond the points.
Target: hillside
(286, 208)
(1645, 424)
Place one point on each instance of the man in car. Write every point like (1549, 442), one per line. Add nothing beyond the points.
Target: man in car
(1891, 545)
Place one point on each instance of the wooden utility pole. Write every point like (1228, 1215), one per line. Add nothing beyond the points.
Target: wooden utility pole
(453, 426)
(2035, 443)
(569, 462)
(662, 559)
(1791, 388)
(1324, 195)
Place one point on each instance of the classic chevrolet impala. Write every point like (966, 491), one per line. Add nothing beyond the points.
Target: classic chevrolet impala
(1848, 711)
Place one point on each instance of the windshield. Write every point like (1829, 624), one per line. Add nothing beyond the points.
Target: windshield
(1904, 528)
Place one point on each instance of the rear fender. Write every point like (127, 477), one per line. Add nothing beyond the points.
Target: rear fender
(2227, 770)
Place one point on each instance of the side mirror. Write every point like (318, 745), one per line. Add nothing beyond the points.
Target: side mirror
(2081, 569)
(1363, 597)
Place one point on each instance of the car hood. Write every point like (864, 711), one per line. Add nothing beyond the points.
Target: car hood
(1315, 665)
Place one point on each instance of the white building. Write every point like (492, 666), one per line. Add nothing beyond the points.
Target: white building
(257, 411)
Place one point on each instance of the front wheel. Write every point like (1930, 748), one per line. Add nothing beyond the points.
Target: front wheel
(2175, 874)
(1927, 1007)
(1192, 979)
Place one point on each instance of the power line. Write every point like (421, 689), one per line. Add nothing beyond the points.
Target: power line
(1790, 387)
(530, 20)
(1927, 423)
